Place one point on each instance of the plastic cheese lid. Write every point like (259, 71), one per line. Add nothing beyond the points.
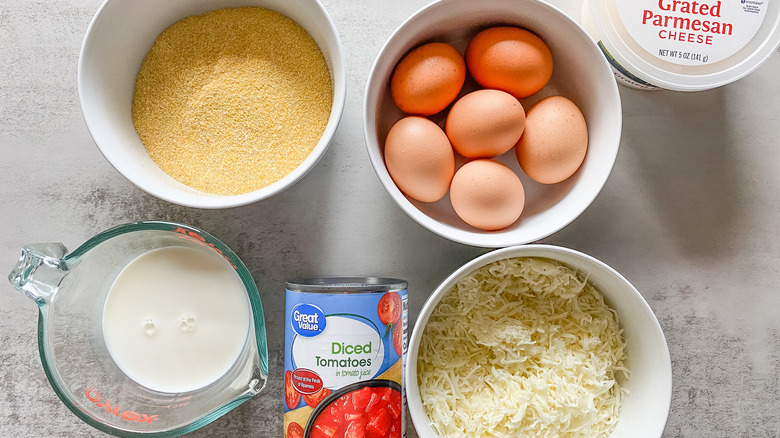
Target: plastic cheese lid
(684, 45)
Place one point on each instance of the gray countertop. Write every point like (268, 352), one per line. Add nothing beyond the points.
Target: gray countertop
(690, 215)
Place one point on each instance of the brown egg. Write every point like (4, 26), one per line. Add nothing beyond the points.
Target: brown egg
(510, 59)
(485, 123)
(555, 140)
(419, 158)
(487, 194)
(428, 79)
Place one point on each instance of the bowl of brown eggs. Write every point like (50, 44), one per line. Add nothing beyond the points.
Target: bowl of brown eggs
(492, 123)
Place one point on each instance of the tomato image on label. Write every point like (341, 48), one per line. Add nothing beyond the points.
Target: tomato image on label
(389, 308)
(314, 399)
(291, 396)
(294, 430)
(398, 339)
(367, 412)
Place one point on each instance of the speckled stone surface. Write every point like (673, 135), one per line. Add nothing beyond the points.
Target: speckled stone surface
(690, 215)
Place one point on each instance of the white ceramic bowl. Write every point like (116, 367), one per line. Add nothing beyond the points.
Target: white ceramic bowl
(118, 39)
(580, 73)
(645, 409)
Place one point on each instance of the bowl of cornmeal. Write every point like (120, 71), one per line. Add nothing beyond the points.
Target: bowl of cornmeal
(212, 104)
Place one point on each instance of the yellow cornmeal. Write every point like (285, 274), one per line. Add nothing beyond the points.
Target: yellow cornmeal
(232, 101)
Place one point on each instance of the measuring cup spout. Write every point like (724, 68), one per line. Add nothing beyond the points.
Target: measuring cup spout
(39, 271)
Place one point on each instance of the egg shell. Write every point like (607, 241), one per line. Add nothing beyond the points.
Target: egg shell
(555, 140)
(485, 123)
(510, 59)
(487, 194)
(428, 79)
(419, 158)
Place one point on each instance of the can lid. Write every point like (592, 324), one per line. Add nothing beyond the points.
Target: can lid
(347, 284)
(686, 46)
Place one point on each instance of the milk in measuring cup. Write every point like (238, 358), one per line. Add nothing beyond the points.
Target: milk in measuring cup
(176, 319)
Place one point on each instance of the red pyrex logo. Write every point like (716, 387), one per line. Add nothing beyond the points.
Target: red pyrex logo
(95, 397)
(202, 240)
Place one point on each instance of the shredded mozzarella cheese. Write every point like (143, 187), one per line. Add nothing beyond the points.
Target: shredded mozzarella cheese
(522, 347)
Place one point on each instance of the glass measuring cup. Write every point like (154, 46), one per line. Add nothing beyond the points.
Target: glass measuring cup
(70, 290)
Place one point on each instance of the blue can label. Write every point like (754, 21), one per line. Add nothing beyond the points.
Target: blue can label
(335, 341)
(307, 320)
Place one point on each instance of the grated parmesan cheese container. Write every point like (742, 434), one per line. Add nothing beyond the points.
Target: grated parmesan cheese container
(683, 45)
(344, 349)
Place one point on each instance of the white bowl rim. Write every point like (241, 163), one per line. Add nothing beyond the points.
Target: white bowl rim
(416, 409)
(477, 238)
(210, 201)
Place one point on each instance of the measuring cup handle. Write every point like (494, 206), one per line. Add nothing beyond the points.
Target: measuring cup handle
(39, 271)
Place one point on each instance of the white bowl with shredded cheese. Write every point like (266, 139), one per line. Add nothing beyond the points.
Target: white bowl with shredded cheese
(538, 341)
(239, 111)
